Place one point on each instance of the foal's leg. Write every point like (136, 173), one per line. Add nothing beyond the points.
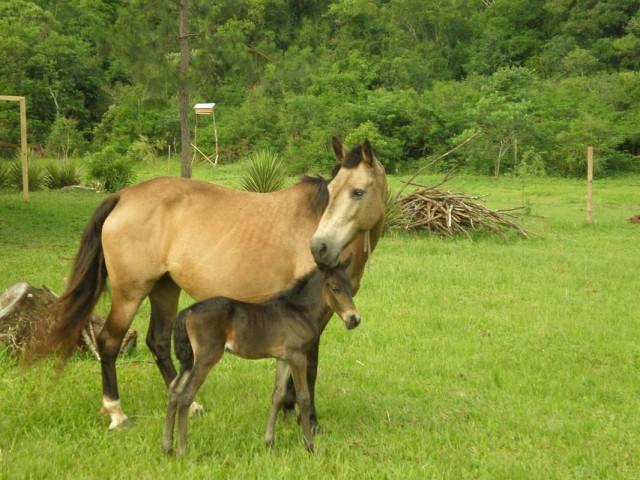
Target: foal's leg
(277, 399)
(312, 374)
(298, 365)
(175, 389)
(164, 305)
(123, 308)
(204, 360)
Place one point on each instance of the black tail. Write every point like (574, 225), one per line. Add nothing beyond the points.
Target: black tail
(87, 282)
(181, 342)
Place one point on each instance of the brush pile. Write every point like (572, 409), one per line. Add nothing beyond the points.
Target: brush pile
(451, 213)
(26, 310)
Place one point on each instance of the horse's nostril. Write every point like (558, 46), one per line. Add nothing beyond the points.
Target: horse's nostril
(354, 320)
(323, 248)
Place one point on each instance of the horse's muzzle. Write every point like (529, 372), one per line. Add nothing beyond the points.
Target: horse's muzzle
(323, 254)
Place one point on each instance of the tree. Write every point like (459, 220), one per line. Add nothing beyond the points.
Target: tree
(183, 91)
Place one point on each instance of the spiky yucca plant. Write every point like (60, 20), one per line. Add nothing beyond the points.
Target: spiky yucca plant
(264, 173)
(58, 175)
(5, 181)
(36, 177)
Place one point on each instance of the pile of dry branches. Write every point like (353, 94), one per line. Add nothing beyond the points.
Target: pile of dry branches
(450, 213)
(444, 212)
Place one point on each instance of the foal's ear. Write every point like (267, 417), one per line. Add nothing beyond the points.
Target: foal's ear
(347, 262)
(367, 152)
(338, 149)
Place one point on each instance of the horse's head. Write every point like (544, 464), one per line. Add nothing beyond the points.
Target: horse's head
(339, 294)
(357, 197)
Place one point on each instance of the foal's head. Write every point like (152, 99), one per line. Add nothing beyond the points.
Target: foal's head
(339, 295)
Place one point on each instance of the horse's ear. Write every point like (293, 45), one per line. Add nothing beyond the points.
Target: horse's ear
(367, 152)
(338, 149)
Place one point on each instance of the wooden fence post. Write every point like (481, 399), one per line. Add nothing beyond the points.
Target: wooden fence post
(23, 141)
(23, 149)
(589, 184)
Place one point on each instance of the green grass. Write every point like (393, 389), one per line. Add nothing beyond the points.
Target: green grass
(476, 359)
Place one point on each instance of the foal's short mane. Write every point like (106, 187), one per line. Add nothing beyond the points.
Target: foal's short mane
(291, 294)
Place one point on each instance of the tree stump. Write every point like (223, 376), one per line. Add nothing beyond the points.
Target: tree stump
(25, 309)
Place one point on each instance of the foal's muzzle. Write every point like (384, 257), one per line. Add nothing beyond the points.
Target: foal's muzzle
(352, 321)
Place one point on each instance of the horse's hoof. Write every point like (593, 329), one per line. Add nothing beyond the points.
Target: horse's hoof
(195, 409)
(269, 443)
(167, 449)
(119, 424)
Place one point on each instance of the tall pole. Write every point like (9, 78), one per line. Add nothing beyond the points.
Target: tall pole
(183, 91)
(23, 149)
(589, 183)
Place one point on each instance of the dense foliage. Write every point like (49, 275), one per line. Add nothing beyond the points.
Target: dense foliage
(541, 79)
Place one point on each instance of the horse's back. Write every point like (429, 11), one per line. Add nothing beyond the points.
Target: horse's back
(212, 240)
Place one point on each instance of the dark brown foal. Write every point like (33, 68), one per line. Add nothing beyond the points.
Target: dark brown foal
(285, 327)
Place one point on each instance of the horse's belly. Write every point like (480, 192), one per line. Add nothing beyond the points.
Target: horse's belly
(241, 278)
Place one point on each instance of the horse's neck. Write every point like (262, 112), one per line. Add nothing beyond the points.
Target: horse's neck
(361, 254)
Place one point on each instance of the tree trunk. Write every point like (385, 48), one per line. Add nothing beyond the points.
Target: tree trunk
(183, 91)
(26, 310)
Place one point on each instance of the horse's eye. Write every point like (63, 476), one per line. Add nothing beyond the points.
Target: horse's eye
(357, 193)
(335, 290)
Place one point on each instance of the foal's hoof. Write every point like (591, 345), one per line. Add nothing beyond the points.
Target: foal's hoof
(196, 409)
(308, 446)
(167, 449)
(315, 427)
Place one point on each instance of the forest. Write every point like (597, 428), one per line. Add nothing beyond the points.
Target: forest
(539, 79)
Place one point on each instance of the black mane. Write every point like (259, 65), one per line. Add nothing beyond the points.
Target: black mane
(321, 199)
(354, 158)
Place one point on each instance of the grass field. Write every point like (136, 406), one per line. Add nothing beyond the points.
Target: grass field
(476, 359)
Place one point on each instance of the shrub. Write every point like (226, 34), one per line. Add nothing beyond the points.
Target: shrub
(143, 150)
(4, 175)
(36, 176)
(61, 174)
(111, 170)
(65, 138)
(265, 173)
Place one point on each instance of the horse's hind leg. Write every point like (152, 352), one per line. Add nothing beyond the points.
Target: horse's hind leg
(164, 304)
(123, 308)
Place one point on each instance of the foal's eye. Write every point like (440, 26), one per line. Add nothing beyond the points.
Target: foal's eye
(357, 192)
(335, 290)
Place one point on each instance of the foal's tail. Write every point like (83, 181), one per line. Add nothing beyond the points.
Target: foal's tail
(86, 283)
(181, 342)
